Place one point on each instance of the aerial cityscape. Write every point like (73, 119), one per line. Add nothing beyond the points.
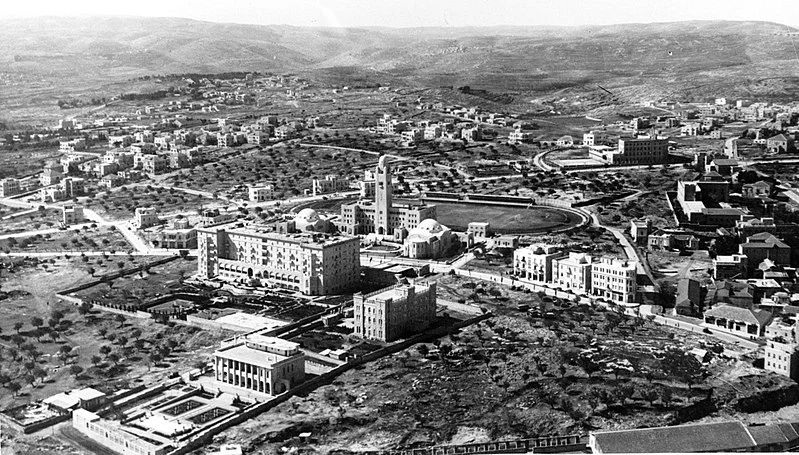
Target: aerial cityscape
(381, 233)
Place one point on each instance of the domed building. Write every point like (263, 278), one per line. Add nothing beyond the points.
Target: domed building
(429, 240)
(306, 220)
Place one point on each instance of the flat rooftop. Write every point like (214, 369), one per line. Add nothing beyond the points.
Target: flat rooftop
(317, 239)
(278, 343)
(242, 353)
(250, 321)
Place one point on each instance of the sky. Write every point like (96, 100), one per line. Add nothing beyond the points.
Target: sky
(419, 13)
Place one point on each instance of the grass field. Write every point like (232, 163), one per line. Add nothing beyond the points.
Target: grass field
(505, 220)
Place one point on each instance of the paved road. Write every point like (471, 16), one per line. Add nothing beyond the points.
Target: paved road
(629, 250)
(698, 329)
(538, 160)
(47, 254)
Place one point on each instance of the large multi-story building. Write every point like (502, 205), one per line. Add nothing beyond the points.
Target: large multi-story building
(782, 349)
(391, 313)
(383, 217)
(312, 263)
(614, 280)
(535, 262)
(9, 187)
(262, 364)
(640, 151)
(573, 273)
(763, 246)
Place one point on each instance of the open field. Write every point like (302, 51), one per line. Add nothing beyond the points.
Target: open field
(133, 290)
(505, 219)
(47, 337)
(41, 219)
(120, 205)
(88, 239)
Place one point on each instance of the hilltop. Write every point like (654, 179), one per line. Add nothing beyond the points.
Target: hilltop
(49, 56)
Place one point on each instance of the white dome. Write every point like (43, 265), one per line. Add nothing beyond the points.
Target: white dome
(308, 215)
(430, 225)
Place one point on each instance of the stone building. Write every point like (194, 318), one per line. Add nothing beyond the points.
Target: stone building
(393, 312)
(262, 364)
(311, 263)
(383, 217)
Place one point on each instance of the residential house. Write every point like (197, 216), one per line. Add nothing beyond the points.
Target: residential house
(756, 190)
(765, 246)
(729, 266)
(745, 322)
(779, 144)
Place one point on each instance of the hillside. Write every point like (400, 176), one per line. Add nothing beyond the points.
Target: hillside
(636, 61)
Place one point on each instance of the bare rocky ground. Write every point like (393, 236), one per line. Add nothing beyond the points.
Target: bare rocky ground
(517, 376)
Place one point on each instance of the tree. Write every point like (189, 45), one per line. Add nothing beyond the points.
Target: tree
(54, 335)
(665, 396)
(120, 319)
(91, 271)
(155, 358)
(39, 373)
(103, 331)
(37, 322)
(18, 326)
(650, 395)
(681, 366)
(588, 365)
(64, 352)
(18, 340)
(84, 308)
(96, 359)
(14, 386)
(76, 370)
(423, 350)
(105, 350)
(114, 357)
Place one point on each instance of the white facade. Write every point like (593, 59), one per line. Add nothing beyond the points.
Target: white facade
(312, 263)
(573, 273)
(145, 217)
(262, 364)
(261, 193)
(535, 262)
(614, 280)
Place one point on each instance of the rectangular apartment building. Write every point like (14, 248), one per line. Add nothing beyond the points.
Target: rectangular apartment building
(535, 262)
(613, 279)
(312, 263)
(573, 273)
(389, 314)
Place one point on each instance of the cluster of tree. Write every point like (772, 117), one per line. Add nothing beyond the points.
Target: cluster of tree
(72, 103)
(145, 96)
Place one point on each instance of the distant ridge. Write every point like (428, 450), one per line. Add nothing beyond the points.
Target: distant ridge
(506, 58)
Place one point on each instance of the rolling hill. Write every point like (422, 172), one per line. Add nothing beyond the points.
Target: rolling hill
(681, 57)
